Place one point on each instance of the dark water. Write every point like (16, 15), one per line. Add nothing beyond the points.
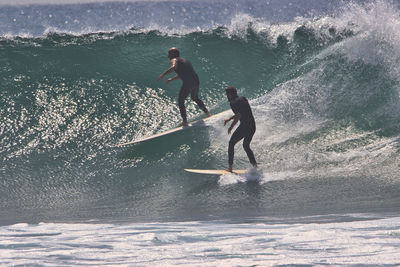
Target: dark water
(324, 88)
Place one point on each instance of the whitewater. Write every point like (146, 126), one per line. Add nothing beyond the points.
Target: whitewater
(79, 78)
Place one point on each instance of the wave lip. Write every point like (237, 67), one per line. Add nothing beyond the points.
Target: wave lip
(83, 17)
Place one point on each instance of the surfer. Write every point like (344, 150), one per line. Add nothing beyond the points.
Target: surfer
(190, 85)
(247, 127)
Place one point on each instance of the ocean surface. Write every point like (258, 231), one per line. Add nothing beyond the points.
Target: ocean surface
(322, 78)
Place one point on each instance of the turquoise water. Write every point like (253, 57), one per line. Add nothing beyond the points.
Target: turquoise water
(324, 91)
(322, 80)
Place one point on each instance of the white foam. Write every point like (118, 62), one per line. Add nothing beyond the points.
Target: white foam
(315, 240)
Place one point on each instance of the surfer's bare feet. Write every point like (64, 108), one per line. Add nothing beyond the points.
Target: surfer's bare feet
(184, 123)
(208, 114)
(229, 169)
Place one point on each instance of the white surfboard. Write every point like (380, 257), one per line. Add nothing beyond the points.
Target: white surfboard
(198, 123)
(219, 172)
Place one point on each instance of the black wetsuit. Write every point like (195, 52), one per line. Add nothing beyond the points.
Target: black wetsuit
(190, 85)
(246, 129)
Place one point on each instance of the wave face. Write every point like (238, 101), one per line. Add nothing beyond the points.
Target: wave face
(324, 87)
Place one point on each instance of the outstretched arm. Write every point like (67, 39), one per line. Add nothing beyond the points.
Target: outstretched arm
(170, 69)
(235, 119)
(173, 79)
(228, 120)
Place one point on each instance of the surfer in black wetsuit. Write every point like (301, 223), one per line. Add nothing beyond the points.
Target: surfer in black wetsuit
(186, 73)
(247, 127)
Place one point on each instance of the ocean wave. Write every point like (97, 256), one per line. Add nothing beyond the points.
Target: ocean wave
(324, 91)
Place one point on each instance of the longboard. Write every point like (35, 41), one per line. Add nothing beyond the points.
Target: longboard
(198, 123)
(220, 172)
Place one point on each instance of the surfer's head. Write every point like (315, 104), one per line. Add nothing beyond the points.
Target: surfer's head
(231, 93)
(173, 53)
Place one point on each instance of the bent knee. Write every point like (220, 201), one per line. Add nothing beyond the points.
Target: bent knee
(232, 143)
(246, 147)
(195, 98)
